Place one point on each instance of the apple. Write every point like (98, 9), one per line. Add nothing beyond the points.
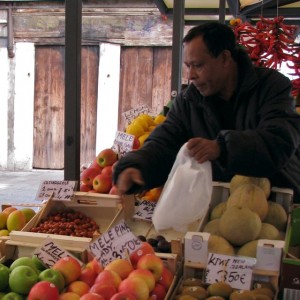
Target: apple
(53, 276)
(22, 279)
(4, 276)
(69, 267)
(92, 296)
(144, 249)
(28, 212)
(105, 290)
(24, 261)
(44, 290)
(69, 296)
(9, 210)
(121, 266)
(84, 187)
(108, 277)
(4, 232)
(3, 219)
(107, 157)
(159, 292)
(136, 143)
(166, 278)
(102, 184)
(123, 296)
(136, 286)
(95, 265)
(96, 165)
(114, 190)
(16, 220)
(88, 275)
(12, 296)
(38, 263)
(107, 171)
(146, 275)
(87, 176)
(153, 263)
(78, 287)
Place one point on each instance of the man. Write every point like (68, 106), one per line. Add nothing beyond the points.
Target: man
(239, 117)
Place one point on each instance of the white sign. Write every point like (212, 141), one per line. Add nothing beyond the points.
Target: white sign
(61, 190)
(133, 113)
(235, 270)
(49, 253)
(123, 143)
(118, 242)
(144, 210)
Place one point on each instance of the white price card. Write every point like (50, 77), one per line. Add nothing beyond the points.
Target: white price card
(131, 114)
(144, 210)
(59, 189)
(123, 143)
(49, 253)
(117, 242)
(235, 270)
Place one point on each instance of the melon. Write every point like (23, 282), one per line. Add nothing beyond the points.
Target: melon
(212, 227)
(218, 210)
(262, 182)
(239, 225)
(269, 232)
(252, 196)
(276, 215)
(217, 244)
(248, 249)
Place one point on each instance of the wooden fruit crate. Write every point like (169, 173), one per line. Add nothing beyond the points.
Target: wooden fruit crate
(101, 208)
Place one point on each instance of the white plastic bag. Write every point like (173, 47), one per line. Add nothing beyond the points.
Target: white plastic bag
(186, 194)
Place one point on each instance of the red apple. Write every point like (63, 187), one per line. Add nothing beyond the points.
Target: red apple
(123, 296)
(144, 249)
(136, 143)
(69, 267)
(88, 275)
(108, 277)
(153, 263)
(146, 275)
(96, 165)
(53, 276)
(84, 187)
(166, 278)
(102, 184)
(107, 171)
(159, 292)
(69, 296)
(92, 296)
(88, 175)
(121, 266)
(43, 290)
(105, 290)
(136, 286)
(78, 287)
(114, 190)
(106, 157)
(95, 265)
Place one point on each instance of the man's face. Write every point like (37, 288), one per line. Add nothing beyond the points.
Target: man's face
(208, 73)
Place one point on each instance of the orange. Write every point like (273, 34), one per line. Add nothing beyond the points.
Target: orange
(153, 194)
(159, 119)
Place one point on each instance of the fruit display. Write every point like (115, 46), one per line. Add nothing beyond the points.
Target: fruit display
(12, 218)
(27, 277)
(193, 288)
(97, 177)
(247, 215)
(67, 222)
(158, 243)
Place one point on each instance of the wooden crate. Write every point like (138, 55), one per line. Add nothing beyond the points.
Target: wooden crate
(101, 208)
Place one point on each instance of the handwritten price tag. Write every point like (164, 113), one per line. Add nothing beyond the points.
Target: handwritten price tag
(118, 242)
(144, 210)
(131, 114)
(61, 190)
(49, 253)
(123, 143)
(236, 271)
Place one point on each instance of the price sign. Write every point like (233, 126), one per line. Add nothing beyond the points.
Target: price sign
(61, 190)
(118, 242)
(144, 210)
(133, 113)
(236, 271)
(123, 143)
(49, 253)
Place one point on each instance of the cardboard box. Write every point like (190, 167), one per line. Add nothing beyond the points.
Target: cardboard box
(101, 208)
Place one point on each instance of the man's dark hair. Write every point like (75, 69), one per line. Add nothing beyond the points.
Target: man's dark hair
(217, 37)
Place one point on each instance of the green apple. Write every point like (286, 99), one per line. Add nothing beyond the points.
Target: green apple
(54, 276)
(38, 263)
(24, 261)
(22, 279)
(4, 275)
(12, 296)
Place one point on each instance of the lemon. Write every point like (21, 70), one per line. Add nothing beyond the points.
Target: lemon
(135, 129)
(141, 122)
(159, 119)
(147, 118)
(143, 137)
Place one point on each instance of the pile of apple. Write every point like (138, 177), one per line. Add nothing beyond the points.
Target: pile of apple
(97, 178)
(144, 276)
(12, 218)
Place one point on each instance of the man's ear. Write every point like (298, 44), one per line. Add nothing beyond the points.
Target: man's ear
(226, 56)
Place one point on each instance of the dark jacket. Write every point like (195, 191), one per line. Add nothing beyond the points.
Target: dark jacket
(259, 135)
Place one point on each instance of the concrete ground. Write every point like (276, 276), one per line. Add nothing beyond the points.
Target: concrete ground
(22, 187)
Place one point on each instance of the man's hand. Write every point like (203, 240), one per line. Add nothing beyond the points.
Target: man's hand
(128, 178)
(202, 149)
